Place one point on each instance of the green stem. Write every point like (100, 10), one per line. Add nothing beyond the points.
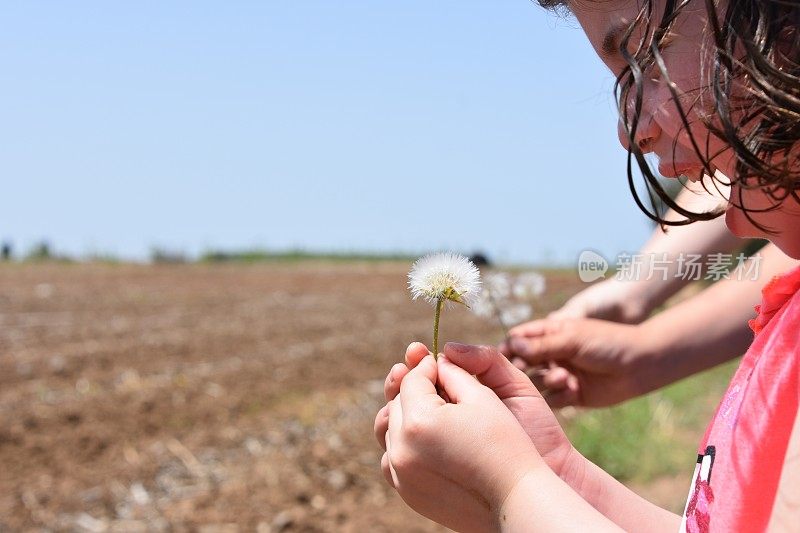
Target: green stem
(439, 304)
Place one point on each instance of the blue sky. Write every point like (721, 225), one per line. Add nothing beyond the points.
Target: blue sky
(359, 125)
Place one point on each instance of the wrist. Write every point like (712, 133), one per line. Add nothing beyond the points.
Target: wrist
(623, 301)
(520, 495)
(572, 469)
(635, 302)
(541, 501)
(581, 475)
(647, 357)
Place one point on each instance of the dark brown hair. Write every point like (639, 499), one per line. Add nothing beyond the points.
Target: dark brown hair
(754, 82)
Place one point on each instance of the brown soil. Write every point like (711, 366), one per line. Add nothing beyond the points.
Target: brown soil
(210, 398)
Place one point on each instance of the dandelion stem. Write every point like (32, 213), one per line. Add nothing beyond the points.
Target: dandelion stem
(439, 304)
(498, 314)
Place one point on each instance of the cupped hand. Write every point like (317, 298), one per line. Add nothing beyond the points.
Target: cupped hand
(509, 384)
(452, 462)
(583, 362)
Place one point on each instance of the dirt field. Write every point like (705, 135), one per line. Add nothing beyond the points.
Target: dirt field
(209, 398)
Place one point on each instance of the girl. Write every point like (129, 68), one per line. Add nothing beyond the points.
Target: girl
(712, 88)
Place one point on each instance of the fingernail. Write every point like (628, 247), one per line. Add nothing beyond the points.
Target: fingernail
(392, 372)
(458, 347)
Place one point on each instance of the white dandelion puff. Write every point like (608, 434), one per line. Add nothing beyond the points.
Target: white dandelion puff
(516, 314)
(497, 286)
(484, 308)
(445, 276)
(529, 285)
(495, 294)
(442, 278)
(506, 297)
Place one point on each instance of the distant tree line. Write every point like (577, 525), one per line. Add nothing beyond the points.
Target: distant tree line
(261, 255)
(42, 251)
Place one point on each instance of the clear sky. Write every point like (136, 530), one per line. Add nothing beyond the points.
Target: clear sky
(355, 124)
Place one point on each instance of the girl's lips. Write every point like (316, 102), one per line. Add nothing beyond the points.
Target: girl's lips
(669, 169)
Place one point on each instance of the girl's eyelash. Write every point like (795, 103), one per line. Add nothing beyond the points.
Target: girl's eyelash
(667, 40)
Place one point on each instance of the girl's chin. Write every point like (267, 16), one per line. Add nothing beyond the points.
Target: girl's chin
(737, 222)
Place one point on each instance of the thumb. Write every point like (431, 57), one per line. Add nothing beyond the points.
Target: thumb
(492, 369)
(418, 386)
(459, 385)
(552, 346)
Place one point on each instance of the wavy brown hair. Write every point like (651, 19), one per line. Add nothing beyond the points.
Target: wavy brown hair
(753, 78)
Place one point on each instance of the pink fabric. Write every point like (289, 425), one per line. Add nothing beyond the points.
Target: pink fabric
(741, 455)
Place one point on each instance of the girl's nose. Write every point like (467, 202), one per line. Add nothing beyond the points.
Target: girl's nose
(647, 129)
(647, 133)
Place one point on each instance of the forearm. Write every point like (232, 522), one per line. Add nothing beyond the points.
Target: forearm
(542, 502)
(700, 238)
(695, 335)
(614, 500)
(665, 250)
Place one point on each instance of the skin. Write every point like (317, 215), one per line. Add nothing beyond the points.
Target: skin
(491, 460)
(785, 220)
(570, 490)
(632, 301)
(596, 363)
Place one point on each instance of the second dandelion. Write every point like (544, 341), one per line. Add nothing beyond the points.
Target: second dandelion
(441, 278)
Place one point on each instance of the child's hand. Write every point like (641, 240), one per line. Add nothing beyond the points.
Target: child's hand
(453, 462)
(510, 385)
(591, 362)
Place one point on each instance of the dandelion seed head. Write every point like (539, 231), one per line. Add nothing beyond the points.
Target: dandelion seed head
(497, 286)
(516, 314)
(446, 276)
(529, 285)
(506, 297)
(483, 308)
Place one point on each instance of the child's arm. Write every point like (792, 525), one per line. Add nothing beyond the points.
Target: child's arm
(610, 497)
(632, 301)
(569, 476)
(541, 501)
(787, 501)
(607, 363)
(616, 501)
(457, 463)
(541, 498)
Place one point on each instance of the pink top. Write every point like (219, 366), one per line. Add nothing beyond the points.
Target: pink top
(740, 458)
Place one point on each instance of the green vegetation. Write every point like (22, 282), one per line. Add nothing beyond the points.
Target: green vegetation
(42, 251)
(164, 255)
(107, 258)
(655, 435)
(259, 255)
